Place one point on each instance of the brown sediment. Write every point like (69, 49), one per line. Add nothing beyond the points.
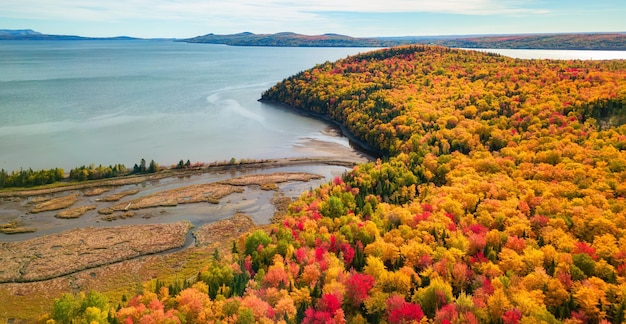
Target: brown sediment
(269, 187)
(271, 178)
(281, 203)
(39, 200)
(224, 230)
(113, 217)
(74, 212)
(14, 227)
(55, 204)
(26, 301)
(96, 191)
(119, 195)
(209, 192)
(64, 253)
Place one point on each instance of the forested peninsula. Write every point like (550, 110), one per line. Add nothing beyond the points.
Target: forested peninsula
(500, 200)
(580, 41)
(561, 41)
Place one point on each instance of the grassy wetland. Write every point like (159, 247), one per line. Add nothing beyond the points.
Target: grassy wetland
(116, 234)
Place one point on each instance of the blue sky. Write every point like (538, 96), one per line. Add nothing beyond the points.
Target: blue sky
(188, 18)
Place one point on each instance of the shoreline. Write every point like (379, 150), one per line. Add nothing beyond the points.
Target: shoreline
(28, 214)
(62, 186)
(214, 225)
(361, 145)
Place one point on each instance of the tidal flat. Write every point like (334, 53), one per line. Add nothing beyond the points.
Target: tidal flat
(109, 244)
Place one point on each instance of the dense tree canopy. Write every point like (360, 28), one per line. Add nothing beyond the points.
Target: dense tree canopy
(500, 200)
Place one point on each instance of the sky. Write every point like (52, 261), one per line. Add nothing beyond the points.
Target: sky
(358, 18)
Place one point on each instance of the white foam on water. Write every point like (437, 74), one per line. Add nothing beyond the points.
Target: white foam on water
(233, 107)
(72, 125)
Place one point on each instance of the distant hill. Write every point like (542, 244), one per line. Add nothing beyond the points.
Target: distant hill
(597, 41)
(29, 34)
(580, 41)
(18, 33)
(287, 39)
(608, 41)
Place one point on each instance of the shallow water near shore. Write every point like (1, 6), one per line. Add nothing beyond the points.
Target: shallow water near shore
(72, 103)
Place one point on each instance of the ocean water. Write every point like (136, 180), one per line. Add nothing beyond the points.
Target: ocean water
(71, 103)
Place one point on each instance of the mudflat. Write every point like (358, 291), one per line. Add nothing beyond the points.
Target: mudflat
(60, 254)
(69, 251)
(168, 227)
(162, 224)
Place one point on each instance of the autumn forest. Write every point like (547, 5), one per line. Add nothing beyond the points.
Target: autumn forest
(499, 198)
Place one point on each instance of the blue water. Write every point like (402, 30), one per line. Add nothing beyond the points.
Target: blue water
(71, 103)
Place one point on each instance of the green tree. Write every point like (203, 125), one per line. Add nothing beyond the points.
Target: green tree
(255, 239)
(89, 308)
(154, 167)
(333, 208)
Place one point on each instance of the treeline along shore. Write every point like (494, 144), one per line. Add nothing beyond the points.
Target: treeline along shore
(66, 182)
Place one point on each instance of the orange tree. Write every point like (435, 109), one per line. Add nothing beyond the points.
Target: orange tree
(499, 198)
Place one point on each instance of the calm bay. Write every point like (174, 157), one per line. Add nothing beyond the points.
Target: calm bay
(71, 103)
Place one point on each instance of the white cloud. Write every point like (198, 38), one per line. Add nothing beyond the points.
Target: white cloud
(471, 7)
(113, 10)
(188, 18)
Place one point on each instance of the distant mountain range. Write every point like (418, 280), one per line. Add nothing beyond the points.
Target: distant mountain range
(587, 41)
(579, 41)
(291, 40)
(29, 34)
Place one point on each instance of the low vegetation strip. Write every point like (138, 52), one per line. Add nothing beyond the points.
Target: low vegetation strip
(60, 254)
(578, 41)
(98, 186)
